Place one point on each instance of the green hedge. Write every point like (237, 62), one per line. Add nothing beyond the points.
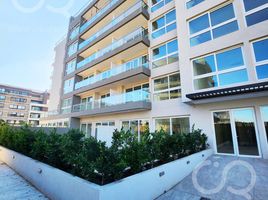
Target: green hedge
(93, 160)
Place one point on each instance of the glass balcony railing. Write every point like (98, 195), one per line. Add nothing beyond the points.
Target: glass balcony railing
(115, 21)
(133, 35)
(98, 14)
(133, 64)
(135, 96)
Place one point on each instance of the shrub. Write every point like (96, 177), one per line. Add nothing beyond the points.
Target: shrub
(93, 160)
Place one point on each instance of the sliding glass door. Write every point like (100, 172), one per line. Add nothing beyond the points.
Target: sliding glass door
(236, 133)
(264, 113)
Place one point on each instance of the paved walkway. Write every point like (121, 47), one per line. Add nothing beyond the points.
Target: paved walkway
(238, 177)
(13, 187)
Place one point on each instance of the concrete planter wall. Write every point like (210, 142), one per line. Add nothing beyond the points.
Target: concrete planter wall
(59, 185)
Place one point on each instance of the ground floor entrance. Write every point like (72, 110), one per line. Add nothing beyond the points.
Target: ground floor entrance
(236, 132)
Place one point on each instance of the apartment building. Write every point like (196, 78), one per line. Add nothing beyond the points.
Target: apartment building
(171, 64)
(20, 105)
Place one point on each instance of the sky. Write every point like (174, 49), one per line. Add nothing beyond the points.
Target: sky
(29, 31)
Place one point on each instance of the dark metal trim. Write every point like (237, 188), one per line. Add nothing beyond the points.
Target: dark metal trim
(245, 89)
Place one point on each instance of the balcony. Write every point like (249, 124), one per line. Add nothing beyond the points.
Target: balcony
(127, 102)
(114, 22)
(98, 15)
(132, 68)
(139, 33)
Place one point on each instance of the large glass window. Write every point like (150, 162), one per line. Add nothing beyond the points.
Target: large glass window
(68, 85)
(261, 58)
(213, 25)
(66, 106)
(193, 3)
(164, 24)
(219, 69)
(168, 87)
(136, 126)
(256, 11)
(70, 67)
(165, 54)
(177, 125)
(264, 112)
(72, 49)
(156, 4)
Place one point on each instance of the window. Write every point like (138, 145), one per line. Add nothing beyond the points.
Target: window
(1, 105)
(1, 113)
(68, 85)
(19, 100)
(193, 3)
(136, 126)
(164, 24)
(213, 25)
(72, 48)
(74, 32)
(261, 58)
(66, 106)
(13, 106)
(156, 4)
(176, 125)
(2, 98)
(219, 69)
(168, 87)
(70, 67)
(165, 54)
(21, 107)
(255, 11)
(2, 90)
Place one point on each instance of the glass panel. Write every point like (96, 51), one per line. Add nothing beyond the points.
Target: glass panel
(199, 39)
(223, 132)
(172, 46)
(158, 23)
(161, 96)
(159, 52)
(173, 58)
(233, 77)
(162, 123)
(156, 7)
(230, 59)
(245, 130)
(174, 94)
(89, 130)
(199, 24)
(134, 127)
(161, 84)
(225, 29)
(125, 125)
(261, 50)
(207, 82)
(262, 71)
(180, 125)
(204, 65)
(251, 4)
(221, 15)
(193, 3)
(84, 128)
(160, 62)
(264, 112)
(174, 80)
(158, 33)
(171, 16)
(171, 27)
(144, 125)
(257, 17)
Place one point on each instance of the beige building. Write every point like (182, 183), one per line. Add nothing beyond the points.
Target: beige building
(20, 105)
(170, 64)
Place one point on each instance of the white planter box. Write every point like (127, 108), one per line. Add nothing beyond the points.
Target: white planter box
(59, 185)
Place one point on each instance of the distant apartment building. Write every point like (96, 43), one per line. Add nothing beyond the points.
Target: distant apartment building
(54, 106)
(19, 106)
(170, 64)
